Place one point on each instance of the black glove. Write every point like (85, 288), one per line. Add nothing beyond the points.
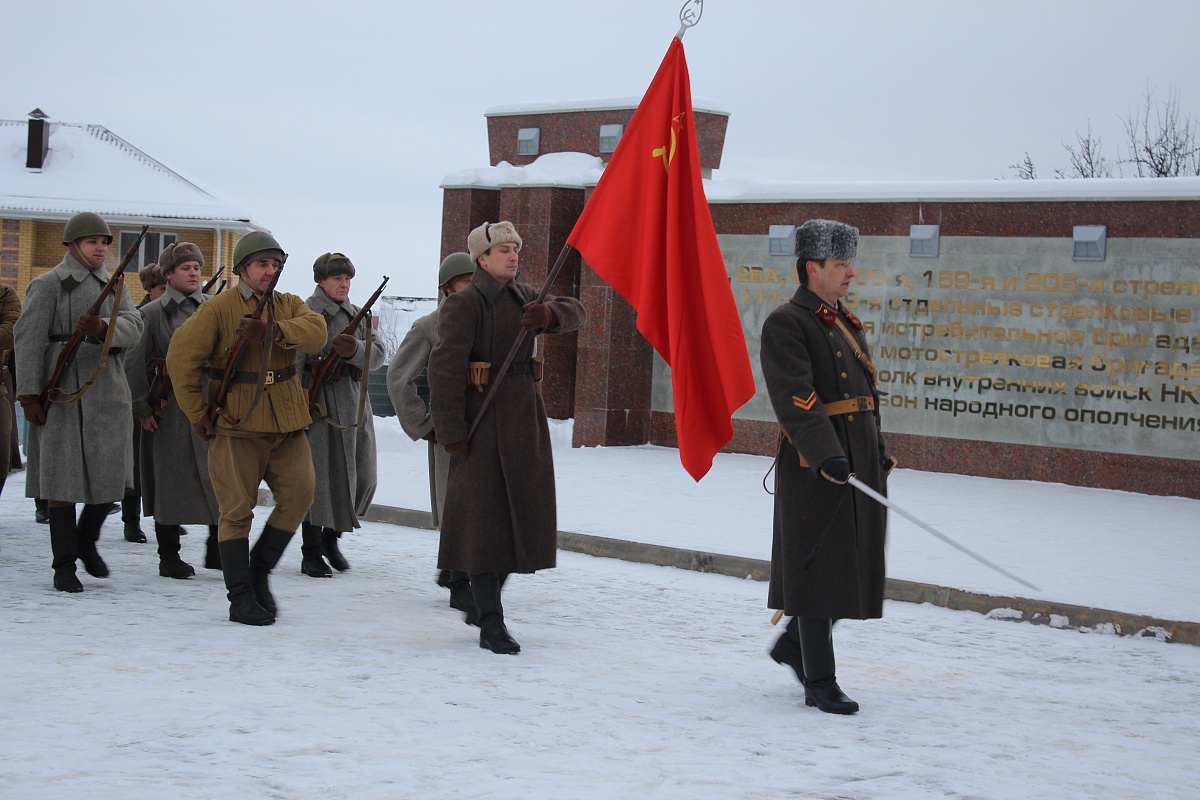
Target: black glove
(537, 315)
(457, 449)
(204, 428)
(836, 470)
(32, 407)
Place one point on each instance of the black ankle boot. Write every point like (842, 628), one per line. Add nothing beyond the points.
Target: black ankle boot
(87, 534)
(63, 544)
(820, 683)
(329, 546)
(787, 649)
(263, 558)
(170, 565)
(235, 565)
(212, 553)
(461, 596)
(40, 514)
(311, 563)
(493, 635)
(131, 516)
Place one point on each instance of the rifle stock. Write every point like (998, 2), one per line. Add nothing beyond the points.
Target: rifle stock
(67, 354)
(332, 361)
(217, 406)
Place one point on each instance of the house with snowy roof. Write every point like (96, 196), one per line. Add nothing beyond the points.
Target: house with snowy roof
(1028, 329)
(50, 171)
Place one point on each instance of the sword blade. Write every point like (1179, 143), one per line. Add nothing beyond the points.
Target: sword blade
(877, 497)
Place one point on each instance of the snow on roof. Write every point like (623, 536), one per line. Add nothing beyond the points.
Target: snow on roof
(581, 169)
(703, 104)
(89, 168)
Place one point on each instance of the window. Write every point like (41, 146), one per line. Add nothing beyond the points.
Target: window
(782, 240)
(151, 247)
(1089, 242)
(610, 135)
(924, 241)
(528, 140)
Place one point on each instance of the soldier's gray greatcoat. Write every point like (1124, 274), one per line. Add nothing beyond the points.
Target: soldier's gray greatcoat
(344, 460)
(415, 417)
(176, 488)
(806, 363)
(84, 452)
(500, 513)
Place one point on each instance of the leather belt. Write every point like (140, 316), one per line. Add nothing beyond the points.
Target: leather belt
(274, 376)
(66, 337)
(524, 368)
(838, 407)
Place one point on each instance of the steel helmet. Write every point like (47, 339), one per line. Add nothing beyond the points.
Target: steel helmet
(454, 265)
(254, 243)
(85, 223)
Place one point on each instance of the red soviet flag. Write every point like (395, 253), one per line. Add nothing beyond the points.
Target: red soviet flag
(647, 231)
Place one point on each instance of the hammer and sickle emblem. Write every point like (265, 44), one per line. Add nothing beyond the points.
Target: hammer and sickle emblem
(667, 153)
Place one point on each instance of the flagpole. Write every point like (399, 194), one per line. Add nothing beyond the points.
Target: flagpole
(516, 345)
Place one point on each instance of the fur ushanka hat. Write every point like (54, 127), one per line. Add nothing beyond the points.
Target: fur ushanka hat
(175, 254)
(480, 240)
(331, 264)
(819, 239)
(151, 276)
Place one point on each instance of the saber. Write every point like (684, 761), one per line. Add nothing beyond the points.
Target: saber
(877, 497)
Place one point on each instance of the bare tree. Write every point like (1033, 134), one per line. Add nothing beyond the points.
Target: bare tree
(1171, 148)
(1086, 158)
(1025, 169)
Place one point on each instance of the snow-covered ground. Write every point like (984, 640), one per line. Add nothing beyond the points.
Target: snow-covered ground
(634, 681)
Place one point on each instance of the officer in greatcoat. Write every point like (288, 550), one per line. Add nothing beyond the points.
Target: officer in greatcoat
(827, 556)
(410, 360)
(500, 514)
(81, 449)
(176, 489)
(343, 446)
(259, 431)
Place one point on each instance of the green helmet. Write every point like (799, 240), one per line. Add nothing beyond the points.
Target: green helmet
(253, 243)
(454, 265)
(85, 223)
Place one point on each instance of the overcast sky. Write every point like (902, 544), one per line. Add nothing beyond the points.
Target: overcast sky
(335, 122)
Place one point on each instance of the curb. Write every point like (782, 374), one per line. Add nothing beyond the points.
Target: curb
(1018, 609)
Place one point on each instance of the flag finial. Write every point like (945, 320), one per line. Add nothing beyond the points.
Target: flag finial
(689, 15)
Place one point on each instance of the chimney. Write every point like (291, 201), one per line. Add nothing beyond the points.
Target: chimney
(39, 140)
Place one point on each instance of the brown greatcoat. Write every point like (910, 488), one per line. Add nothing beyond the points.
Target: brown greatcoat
(807, 363)
(500, 513)
(175, 486)
(207, 338)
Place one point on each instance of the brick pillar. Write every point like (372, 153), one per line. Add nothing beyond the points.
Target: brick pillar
(544, 216)
(462, 211)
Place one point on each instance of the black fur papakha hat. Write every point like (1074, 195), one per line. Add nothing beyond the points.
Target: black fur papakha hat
(819, 239)
(331, 264)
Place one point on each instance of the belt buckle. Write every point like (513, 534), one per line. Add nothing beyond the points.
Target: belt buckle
(862, 403)
(270, 378)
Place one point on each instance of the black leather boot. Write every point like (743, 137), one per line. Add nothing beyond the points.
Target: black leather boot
(170, 565)
(787, 649)
(40, 513)
(132, 517)
(87, 534)
(311, 563)
(212, 553)
(263, 558)
(820, 683)
(63, 538)
(461, 596)
(235, 566)
(486, 587)
(329, 545)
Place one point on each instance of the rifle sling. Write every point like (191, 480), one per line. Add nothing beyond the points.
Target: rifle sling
(77, 395)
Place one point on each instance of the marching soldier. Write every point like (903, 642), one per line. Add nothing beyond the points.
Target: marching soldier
(343, 446)
(827, 557)
(258, 432)
(176, 489)
(80, 451)
(154, 283)
(500, 515)
(10, 312)
(415, 418)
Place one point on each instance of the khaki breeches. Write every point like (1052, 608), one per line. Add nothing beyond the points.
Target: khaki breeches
(238, 464)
